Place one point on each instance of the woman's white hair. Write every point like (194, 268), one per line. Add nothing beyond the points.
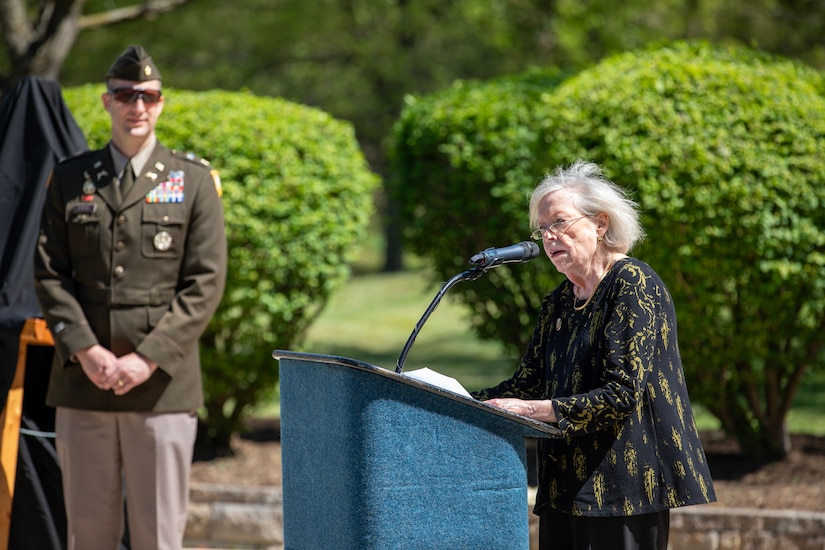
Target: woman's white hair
(591, 193)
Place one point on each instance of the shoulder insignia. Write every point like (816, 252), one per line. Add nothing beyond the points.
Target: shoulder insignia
(191, 157)
(216, 177)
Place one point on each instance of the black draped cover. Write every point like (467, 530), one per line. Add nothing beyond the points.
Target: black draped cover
(36, 130)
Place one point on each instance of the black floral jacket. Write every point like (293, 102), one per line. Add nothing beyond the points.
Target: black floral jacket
(613, 370)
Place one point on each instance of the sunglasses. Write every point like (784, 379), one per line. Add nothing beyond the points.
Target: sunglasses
(131, 95)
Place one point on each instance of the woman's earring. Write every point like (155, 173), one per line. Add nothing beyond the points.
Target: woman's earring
(600, 240)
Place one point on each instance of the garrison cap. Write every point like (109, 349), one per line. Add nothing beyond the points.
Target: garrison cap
(134, 64)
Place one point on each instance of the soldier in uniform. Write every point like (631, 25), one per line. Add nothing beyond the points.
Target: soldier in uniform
(130, 267)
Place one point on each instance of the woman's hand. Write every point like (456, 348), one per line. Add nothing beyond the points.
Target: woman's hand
(541, 410)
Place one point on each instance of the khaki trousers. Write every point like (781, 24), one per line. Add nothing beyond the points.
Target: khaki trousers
(146, 456)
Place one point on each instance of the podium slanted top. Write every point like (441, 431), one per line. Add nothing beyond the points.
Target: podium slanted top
(534, 428)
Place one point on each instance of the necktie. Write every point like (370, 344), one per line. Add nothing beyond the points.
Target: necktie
(127, 180)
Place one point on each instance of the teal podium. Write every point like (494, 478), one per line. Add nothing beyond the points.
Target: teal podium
(373, 459)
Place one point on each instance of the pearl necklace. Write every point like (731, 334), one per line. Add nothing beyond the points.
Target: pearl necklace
(584, 305)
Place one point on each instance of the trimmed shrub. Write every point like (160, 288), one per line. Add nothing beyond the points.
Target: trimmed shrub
(721, 147)
(298, 196)
(462, 165)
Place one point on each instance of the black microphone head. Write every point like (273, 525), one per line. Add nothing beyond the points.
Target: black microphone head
(492, 257)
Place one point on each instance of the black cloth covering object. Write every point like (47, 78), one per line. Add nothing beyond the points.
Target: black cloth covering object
(36, 131)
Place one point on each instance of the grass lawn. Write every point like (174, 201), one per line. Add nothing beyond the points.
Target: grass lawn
(373, 315)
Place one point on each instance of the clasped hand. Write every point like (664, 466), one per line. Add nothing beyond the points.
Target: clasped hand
(109, 372)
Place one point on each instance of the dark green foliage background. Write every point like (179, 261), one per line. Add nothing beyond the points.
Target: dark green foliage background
(297, 197)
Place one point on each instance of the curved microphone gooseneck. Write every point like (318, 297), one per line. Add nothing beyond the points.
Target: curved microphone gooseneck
(484, 261)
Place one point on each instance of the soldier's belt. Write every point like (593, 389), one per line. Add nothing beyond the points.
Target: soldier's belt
(126, 296)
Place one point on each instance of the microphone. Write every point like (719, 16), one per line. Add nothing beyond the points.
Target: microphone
(492, 257)
(521, 252)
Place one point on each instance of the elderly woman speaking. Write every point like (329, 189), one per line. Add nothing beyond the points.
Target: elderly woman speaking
(603, 364)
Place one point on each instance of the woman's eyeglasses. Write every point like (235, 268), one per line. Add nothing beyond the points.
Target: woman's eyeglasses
(556, 229)
(131, 95)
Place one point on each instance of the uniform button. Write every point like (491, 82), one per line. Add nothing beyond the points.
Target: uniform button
(120, 246)
(121, 219)
(166, 218)
(119, 271)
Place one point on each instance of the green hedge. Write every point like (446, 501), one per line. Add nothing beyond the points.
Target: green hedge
(462, 165)
(722, 147)
(298, 197)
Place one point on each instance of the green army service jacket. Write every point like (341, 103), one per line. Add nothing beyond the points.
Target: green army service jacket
(143, 273)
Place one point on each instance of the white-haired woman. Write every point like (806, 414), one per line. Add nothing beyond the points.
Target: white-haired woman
(603, 364)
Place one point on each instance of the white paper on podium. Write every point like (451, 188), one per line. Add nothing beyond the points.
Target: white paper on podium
(438, 380)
